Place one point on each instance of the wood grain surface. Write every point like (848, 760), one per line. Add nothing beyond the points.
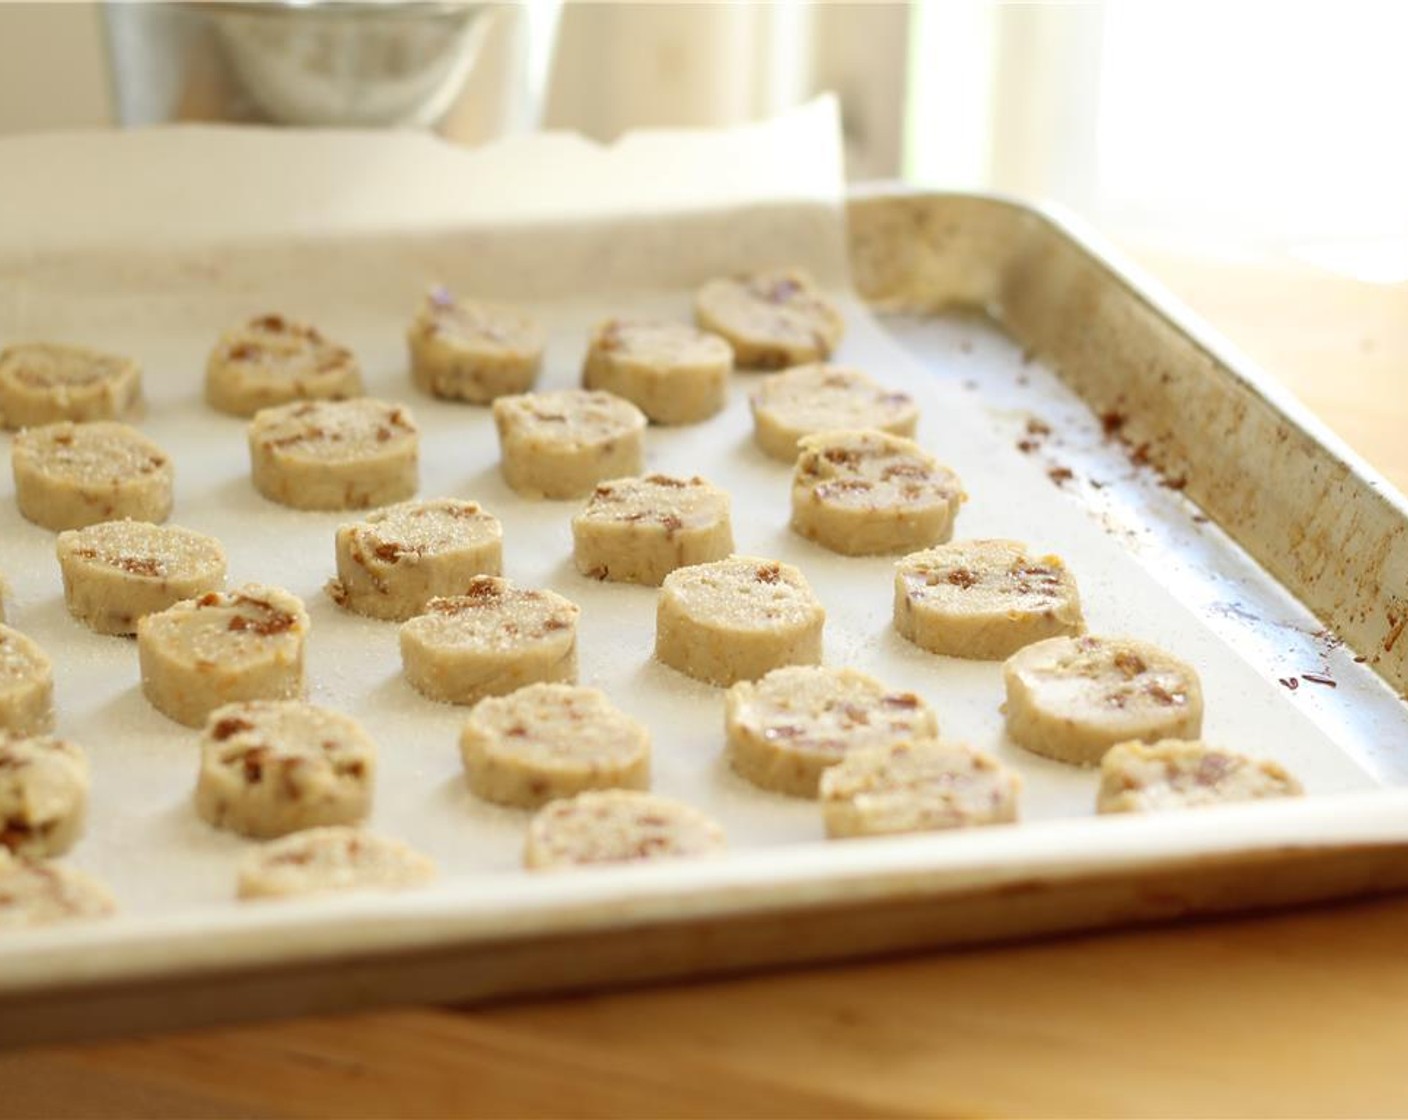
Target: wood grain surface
(1303, 1014)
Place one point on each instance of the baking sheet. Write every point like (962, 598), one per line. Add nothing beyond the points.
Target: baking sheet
(165, 296)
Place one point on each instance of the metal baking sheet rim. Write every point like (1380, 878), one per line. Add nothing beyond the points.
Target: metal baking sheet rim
(995, 863)
(1368, 831)
(1326, 525)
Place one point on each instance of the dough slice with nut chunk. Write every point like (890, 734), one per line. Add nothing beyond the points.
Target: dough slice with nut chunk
(618, 826)
(46, 382)
(787, 729)
(772, 318)
(737, 619)
(333, 858)
(811, 399)
(1072, 699)
(922, 785)
(489, 641)
(467, 350)
(561, 444)
(984, 599)
(225, 646)
(42, 893)
(26, 685)
(639, 530)
(392, 563)
(271, 767)
(43, 794)
(331, 455)
(272, 360)
(862, 493)
(71, 475)
(1183, 774)
(674, 373)
(118, 572)
(546, 741)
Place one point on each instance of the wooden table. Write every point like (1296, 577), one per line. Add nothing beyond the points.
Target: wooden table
(1301, 1014)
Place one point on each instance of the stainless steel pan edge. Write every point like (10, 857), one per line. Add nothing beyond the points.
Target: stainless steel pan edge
(1311, 511)
(622, 926)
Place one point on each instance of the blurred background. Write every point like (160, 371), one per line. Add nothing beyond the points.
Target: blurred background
(1247, 129)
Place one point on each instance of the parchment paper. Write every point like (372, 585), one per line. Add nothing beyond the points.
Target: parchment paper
(151, 244)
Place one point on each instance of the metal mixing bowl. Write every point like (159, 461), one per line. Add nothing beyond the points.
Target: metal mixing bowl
(338, 62)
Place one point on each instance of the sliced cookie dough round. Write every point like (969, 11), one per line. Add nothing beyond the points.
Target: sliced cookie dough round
(674, 373)
(71, 475)
(26, 685)
(43, 794)
(561, 444)
(548, 741)
(863, 493)
(984, 599)
(489, 641)
(330, 455)
(786, 730)
(46, 382)
(772, 318)
(639, 530)
(392, 563)
(334, 858)
(1183, 774)
(225, 646)
(43, 893)
(923, 785)
(1072, 699)
(618, 826)
(271, 767)
(811, 399)
(117, 572)
(737, 619)
(466, 350)
(272, 360)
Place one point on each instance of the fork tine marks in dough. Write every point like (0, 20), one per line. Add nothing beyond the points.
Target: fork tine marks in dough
(117, 572)
(26, 685)
(546, 741)
(69, 475)
(618, 826)
(984, 599)
(737, 619)
(47, 382)
(491, 640)
(865, 493)
(245, 644)
(272, 360)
